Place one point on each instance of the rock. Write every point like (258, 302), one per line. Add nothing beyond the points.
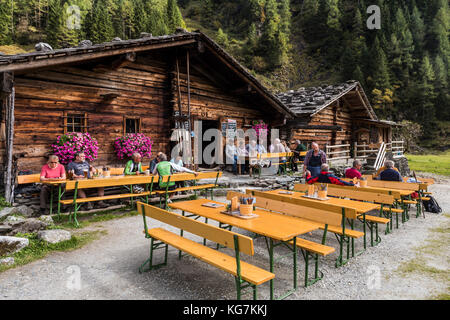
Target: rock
(42, 46)
(25, 210)
(4, 229)
(10, 245)
(7, 261)
(29, 226)
(85, 43)
(8, 211)
(48, 220)
(14, 219)
(54, 236)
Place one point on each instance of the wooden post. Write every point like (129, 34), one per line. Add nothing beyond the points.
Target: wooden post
(8, 88)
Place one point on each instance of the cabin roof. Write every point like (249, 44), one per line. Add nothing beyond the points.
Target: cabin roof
(310, 101)
(39, 59)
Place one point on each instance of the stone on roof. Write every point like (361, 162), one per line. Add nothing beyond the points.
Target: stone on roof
(305, 101)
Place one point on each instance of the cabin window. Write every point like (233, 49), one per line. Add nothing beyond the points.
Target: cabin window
(75, 122)
(132, 125)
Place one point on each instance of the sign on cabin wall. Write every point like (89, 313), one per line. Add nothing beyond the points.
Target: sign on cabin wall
(229, 129)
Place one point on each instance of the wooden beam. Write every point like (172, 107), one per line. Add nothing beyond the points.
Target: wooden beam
(295, 125)
(8, 102)
(83, 56)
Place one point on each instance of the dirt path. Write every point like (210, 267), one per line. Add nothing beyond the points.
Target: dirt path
(411, 263)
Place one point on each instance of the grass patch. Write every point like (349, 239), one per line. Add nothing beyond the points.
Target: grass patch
(433, 163)
(16, 49)
(442, 296)
(38, 249)
(4, 203)
(85, 219)
(418, 265)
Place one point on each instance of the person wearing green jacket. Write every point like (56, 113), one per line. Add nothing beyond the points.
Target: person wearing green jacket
(134, 166)
(166, 168)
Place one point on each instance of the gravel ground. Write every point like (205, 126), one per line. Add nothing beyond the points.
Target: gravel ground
(410, 263)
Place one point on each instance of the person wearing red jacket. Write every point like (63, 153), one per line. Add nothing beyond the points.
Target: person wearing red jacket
(326, 177)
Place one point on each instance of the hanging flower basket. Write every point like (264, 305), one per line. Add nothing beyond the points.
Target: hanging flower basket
(70, 143)
(260, 128)
(131, 143)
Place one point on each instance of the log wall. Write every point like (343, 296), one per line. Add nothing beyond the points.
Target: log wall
(335, 114)
(145, 89)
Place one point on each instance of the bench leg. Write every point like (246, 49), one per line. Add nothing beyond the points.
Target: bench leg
(317, 277)
(340, 261)
(153, 246)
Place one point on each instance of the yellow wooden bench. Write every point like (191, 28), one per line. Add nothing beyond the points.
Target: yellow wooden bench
(386, 202)
(189, 177)
(75, 185)
(246, 275)
(274, 156)
(309, 249)
(309, 210)
(417, 187)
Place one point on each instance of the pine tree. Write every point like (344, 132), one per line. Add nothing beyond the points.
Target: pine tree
(442, 102)
(334, 16)
(5, 23)
(418, 31)
(359, 76)
(380, 74)
(439, 43)
(140, 21)
(173, 16)
(426, 95)
(55, 23)
(156, 24)
(101, 27)
(222, 38)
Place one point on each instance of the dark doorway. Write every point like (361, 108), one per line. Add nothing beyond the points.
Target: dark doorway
(209, 124)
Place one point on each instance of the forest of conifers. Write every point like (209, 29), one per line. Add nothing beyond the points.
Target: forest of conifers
(403, 66)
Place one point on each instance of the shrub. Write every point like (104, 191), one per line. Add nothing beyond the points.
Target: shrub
(133, 142)
(69, 144)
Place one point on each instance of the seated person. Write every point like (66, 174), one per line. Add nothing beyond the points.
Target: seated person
(354, 172)
(53, 170)
(377, 174)
(326, 177)
(299, 147)
(390, 174)
(154, 162)
(134, 166)
(78, 167)
(165, 168)
(178, 160)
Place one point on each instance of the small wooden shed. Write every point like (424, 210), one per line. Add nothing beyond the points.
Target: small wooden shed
(335, 116)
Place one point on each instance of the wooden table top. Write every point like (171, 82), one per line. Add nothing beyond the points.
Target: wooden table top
(273, 225)
(360, 206)
(142, 178)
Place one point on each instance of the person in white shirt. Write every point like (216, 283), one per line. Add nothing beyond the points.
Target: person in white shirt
(178, 161)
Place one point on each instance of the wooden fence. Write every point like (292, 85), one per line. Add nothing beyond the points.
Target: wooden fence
(363, 151)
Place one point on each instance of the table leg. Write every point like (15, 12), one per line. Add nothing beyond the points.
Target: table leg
(51, 200)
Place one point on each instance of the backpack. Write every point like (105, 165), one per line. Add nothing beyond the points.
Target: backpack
(432, 205)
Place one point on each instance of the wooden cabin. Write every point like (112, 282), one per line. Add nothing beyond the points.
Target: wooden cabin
(335, 115)
(150, 85)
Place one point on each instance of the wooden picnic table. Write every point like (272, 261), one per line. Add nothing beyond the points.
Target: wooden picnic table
(271, 225)
(96, 183)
